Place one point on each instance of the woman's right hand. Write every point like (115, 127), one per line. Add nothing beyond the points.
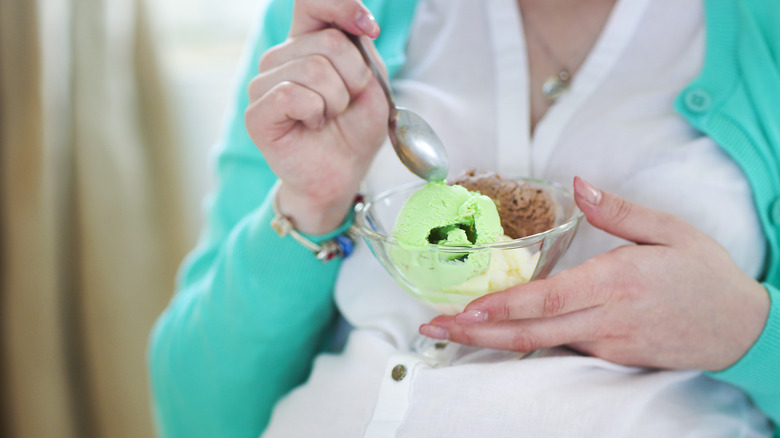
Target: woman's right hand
(317, 114)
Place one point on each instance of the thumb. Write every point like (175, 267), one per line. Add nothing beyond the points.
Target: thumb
(625, 219)
(350, 15)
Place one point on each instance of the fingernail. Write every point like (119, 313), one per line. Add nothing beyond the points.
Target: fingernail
(589, 192)
(471, 316)
(367, 23)
(434, 331)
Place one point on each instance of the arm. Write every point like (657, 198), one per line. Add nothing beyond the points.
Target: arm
(741, 73)
(251, 309)
(223, 351)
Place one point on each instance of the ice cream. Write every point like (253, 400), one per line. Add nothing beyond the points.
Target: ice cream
(452, 215)
(508, 267)
(524, 210)
(447, 245)
(449, 216)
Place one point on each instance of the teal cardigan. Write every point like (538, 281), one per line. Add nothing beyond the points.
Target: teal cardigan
(238, 335)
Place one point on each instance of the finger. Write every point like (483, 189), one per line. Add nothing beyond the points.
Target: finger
(625, 219)
(522, 335)
(568, 291)
(314, 72)
(282, 108)
(330, 43)
(350, 15)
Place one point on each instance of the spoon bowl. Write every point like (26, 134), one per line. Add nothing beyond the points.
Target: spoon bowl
(417, 146)
(414, 141)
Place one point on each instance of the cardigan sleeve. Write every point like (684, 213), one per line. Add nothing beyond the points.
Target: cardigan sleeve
(739, 78)
(251, 309)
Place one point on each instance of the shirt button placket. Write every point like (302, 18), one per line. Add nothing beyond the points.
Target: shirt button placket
(394, 394)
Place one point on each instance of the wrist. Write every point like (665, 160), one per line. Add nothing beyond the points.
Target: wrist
(337, 244)
(313, 216)
(756, 371)
(749, 322)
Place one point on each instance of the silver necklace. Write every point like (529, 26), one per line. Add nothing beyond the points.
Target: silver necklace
(557, 84)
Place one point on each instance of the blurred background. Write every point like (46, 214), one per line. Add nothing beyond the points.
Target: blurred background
(108, 112)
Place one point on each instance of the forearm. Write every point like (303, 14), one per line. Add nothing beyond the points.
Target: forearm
(234, 341)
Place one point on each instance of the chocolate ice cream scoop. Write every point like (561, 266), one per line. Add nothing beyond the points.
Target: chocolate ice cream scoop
(524, 209)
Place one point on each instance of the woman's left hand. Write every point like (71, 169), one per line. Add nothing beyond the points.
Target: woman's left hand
(675, 299)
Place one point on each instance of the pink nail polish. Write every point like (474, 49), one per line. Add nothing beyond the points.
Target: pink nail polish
(367, 23)
(434, 331)
(588, 191)
(471, 316)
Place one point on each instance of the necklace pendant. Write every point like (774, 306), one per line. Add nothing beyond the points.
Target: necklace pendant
(554, 86)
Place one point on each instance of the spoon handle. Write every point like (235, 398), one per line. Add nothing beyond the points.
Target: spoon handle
(358, 42)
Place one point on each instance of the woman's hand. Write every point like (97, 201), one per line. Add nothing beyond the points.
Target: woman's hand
(676, 299)
(316, 112)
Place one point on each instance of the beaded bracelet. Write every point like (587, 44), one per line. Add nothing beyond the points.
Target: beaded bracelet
(340, 246)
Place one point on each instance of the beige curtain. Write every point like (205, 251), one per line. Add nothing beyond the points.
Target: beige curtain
(89, 217)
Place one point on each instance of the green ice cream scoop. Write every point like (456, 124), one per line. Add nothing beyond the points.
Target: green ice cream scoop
(444, 215)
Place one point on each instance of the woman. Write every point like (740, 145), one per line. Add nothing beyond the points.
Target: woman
(688, 139)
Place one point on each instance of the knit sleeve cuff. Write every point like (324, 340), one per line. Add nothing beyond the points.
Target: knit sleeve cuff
(343, 228)
(757, 371)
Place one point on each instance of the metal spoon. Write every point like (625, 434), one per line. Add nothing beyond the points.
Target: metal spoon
(413, 139)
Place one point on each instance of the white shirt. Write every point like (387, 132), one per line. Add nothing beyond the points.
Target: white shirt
(467, 75)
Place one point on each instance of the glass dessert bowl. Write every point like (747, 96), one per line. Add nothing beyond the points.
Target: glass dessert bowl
(448, 277)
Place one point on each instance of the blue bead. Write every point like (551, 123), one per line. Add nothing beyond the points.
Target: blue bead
(346, 244)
